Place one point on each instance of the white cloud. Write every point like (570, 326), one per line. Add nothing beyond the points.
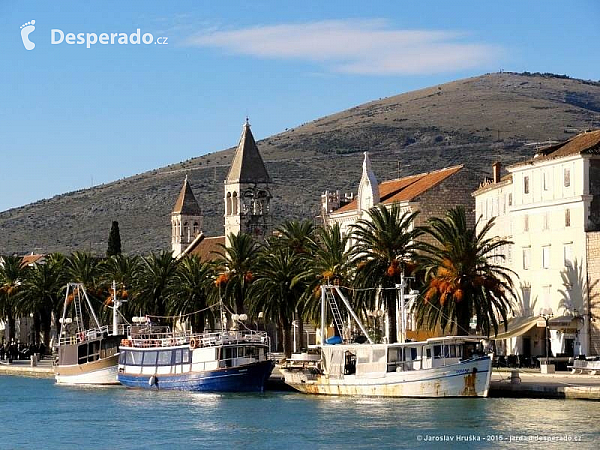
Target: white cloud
(354, 46)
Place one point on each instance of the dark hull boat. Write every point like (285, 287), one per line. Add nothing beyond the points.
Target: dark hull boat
(234, 361)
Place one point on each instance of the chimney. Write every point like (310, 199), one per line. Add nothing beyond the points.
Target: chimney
(496, 171)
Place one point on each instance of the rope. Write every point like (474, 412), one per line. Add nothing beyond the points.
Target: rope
(178, 316)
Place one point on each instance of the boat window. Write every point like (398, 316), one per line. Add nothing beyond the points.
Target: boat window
(150, 358)
(177, 356)
(250, 352)
(452, 351)
(133, 358)
(437, 351)
(241, 352)
(164, 358)
(413, 353)
(378, 355)
(428, 352)
(363, 356)
(186, 356)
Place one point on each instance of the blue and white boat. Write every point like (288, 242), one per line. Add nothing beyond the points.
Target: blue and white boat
(155, 357)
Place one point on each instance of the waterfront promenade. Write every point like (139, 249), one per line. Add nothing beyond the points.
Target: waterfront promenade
(23, 367)
(529, 384)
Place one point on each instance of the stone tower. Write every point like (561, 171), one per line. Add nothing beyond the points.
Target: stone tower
(368, 188)
(186, 220)
(247, 191)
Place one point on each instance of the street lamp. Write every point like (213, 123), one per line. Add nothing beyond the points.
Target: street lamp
(546, 314)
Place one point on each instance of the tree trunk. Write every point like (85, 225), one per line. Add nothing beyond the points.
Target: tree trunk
(463, 317)
(300, 328)
(390, 306)
(287, 340)
(36, 329)
(11, 327)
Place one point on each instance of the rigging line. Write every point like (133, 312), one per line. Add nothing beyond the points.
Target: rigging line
(181, 315)
(239, 321)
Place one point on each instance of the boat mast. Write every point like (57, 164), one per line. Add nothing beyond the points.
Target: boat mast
(116, 305)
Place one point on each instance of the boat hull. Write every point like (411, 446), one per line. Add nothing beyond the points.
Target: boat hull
(465, 379)
(103, 371)
(246, 378)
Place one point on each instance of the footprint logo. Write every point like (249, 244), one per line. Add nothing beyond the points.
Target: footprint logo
(26, 30)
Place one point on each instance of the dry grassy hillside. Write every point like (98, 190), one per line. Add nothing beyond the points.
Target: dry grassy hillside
(473, 121)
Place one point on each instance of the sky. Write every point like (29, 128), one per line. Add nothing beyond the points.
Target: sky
(73, 115)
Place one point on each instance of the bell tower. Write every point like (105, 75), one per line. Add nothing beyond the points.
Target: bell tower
(247, 191)
(186, 220)
(368, 188)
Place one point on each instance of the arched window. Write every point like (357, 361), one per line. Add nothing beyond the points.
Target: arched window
(228, 204)
(186, 232)
(235, 203)
(196, 229)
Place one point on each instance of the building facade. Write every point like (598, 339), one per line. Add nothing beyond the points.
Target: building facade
(549, 207)
(431, 193)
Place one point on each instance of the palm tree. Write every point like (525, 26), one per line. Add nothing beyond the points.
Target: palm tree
(42, 294)
(299, 237)
(462, 276)
(329, 263)
(296, 235)
(236, 261)
(123, 270)
(12, 274)
(385, 246)
(192, 289)
(153, 285)
(277, 289)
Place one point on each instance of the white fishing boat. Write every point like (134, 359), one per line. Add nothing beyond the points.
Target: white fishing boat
(87, 355)
(452, 366)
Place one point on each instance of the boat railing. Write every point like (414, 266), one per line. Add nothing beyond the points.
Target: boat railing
(82, 336)
(154, 336)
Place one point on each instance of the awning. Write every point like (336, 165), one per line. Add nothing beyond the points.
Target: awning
(564, 322)
(516, 327)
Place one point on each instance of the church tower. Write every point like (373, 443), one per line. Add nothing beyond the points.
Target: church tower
(186, 220)
(247, 191)
(368, 189)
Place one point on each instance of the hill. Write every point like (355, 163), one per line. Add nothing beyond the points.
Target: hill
(473, 121)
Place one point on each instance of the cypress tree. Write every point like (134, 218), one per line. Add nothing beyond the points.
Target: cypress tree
(114, 240)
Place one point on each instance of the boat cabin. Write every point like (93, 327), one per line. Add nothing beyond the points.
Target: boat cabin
(357, 359)
(87, 347)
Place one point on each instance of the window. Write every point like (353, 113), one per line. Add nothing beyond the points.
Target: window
(545, 182)
(546, 296)
(568, 254)
(510, 199)
(164, 358)
(526, 258)
(150, 358)
(526, 185)
(526, 222)
(567, 217)
(546, 256)
(567, 176)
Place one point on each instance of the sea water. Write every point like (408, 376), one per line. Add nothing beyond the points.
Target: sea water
(38, 414)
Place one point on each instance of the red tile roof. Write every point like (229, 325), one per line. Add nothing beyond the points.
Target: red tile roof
(207, 248)
(584, 143)
(407, 188)
(29, 260)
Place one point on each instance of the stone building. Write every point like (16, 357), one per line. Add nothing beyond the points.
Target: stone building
(549, 207)
(247, 204)
(432, 193)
